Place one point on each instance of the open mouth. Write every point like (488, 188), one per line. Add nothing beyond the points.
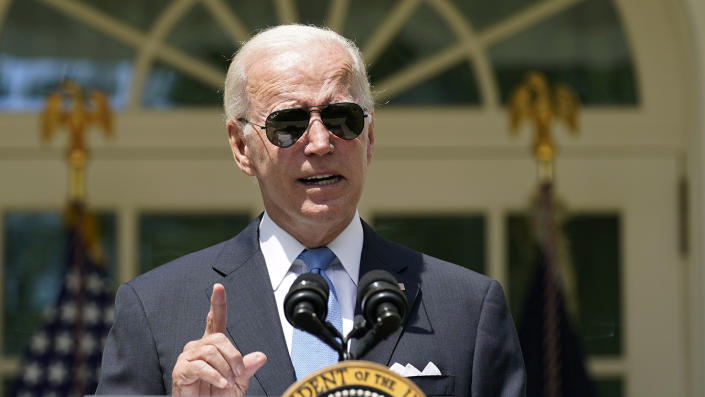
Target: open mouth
(321, 180)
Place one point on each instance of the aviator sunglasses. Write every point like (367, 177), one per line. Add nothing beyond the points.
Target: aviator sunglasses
(284, 127)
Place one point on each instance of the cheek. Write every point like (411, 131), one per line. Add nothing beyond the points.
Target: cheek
(276, 166)
(260, 154)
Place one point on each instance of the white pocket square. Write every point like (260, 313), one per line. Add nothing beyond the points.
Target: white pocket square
(409, 370)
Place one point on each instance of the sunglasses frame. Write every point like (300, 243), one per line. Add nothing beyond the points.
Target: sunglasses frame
(271, 135)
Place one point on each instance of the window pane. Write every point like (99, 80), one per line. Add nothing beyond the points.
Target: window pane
(6, 386)
(421, 38)
(610, 387)
(211, 44)
(595, 251)
(164, 237)
(35, 260)
(254, 14)
(482, 13)
(423, 35)
(139, 14)
(363, 18)
(166, 87)
(455, 238)
(583, 46)
(594, 248)
(455, 86)
(41, 46)
(313, 12)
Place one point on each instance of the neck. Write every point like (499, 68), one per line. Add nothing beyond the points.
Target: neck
(310, 232)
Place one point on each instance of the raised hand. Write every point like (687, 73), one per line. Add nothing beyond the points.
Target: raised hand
(212, 365)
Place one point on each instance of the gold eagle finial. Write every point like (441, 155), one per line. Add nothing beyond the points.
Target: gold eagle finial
(533, 101)
(66, 109)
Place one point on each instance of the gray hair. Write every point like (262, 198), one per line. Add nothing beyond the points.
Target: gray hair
(235, 101)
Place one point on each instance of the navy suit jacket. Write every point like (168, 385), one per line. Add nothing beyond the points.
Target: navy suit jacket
(458, 319)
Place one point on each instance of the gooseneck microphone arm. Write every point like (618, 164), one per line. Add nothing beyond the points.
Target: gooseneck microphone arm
(382, 303)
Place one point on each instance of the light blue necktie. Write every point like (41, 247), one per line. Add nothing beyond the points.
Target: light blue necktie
(308, 353)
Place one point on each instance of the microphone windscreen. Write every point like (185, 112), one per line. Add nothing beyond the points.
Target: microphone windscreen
(382, 303)
(371, 277)
(306, 308)
(308, 295)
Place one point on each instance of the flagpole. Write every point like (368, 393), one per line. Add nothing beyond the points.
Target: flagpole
(533, 101)
(66, 109)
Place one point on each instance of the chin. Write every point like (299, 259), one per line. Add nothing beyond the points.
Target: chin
(326, 212)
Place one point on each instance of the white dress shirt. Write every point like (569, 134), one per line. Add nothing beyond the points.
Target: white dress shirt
(280, 250)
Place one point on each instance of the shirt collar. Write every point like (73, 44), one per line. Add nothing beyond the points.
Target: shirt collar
(280, 248)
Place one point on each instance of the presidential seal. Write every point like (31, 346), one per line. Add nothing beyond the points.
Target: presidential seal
(354, 379)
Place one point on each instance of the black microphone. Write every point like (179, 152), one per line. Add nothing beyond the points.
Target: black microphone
(382, 303)
(306, 308)
(383, 307)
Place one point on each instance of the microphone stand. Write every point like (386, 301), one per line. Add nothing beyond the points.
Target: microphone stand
(359, 331)
(368, 337)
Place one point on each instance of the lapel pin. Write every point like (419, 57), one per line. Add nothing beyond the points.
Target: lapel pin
(401, 287)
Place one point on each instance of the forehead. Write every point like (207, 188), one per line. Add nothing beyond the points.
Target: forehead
(304, 75)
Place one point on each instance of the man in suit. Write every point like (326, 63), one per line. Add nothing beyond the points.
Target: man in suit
(300, 118)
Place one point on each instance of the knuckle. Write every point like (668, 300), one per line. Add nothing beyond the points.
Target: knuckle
(234, 354)
(182, 374)
(209, 350)
(192, 345)
(218, 339)
(201, 366)
(179, 377)
(180, 360)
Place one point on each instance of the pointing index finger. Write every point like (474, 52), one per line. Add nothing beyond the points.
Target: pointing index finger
(218, 313)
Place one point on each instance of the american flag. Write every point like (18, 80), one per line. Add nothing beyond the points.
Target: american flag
(553, 354)
(63, 356)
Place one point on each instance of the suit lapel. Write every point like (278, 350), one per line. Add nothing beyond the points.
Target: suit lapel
(253, 320)
(404, 265)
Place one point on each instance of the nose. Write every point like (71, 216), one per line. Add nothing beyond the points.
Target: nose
(318, 137)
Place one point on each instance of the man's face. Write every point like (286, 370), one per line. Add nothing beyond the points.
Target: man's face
(310, 189)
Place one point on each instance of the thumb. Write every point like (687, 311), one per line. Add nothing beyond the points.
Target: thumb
(252, 362)
(218, 313)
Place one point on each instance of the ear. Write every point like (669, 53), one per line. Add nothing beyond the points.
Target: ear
(240, 148)
(371, 138)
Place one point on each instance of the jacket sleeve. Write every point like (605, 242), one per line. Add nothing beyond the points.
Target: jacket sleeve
(498, 365)
(130, 360)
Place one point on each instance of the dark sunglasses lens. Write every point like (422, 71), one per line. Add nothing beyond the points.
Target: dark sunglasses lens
(344, 120)
(285, 127)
